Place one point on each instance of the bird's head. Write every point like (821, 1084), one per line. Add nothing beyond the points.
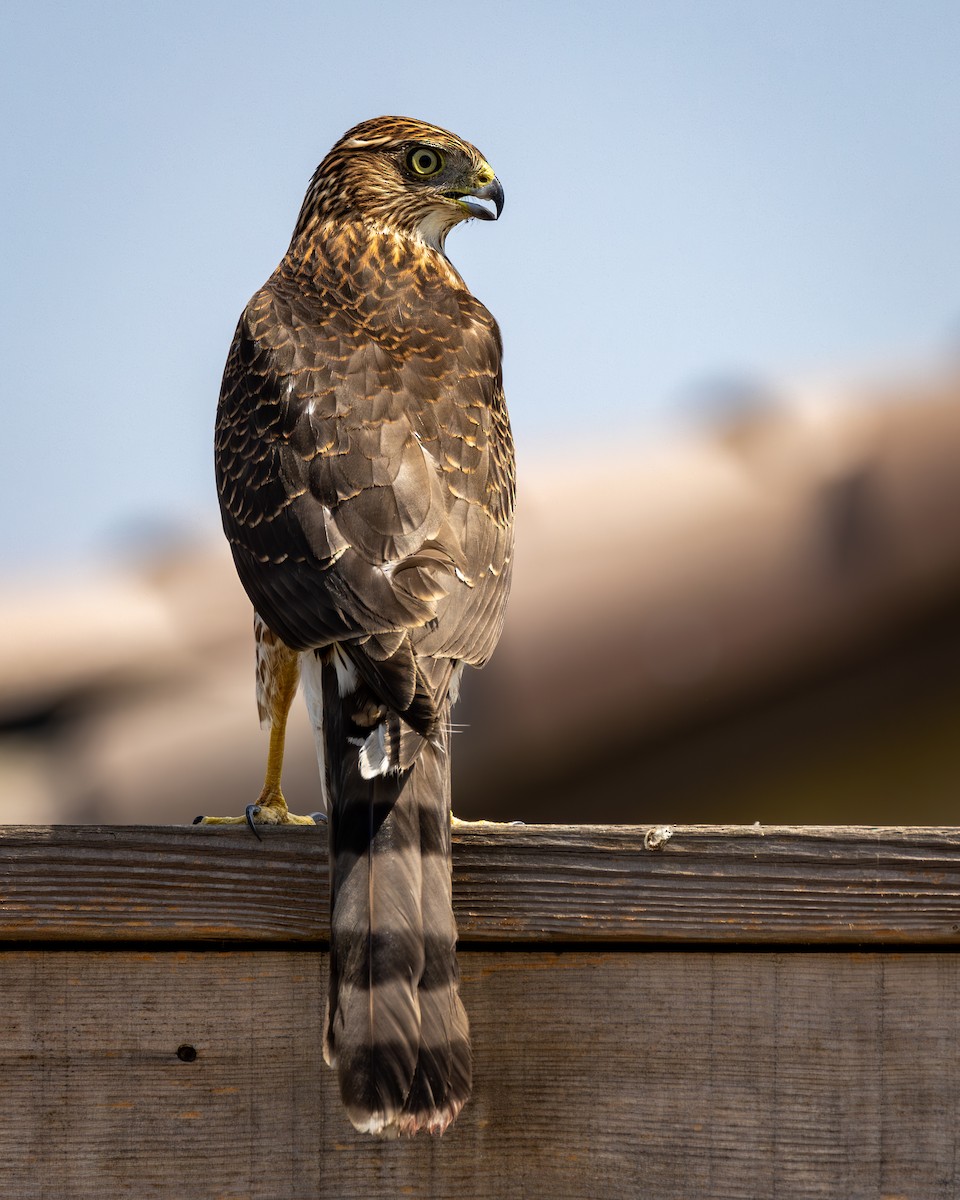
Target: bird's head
(402, 175)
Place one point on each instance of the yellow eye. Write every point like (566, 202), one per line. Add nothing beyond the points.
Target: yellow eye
(425, 161)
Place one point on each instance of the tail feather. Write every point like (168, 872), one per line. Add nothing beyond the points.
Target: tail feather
(396, 1030)
(442, 1081)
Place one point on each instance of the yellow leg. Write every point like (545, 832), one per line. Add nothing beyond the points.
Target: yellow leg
(271, 807)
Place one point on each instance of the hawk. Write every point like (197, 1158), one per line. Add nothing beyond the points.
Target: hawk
(365, 469)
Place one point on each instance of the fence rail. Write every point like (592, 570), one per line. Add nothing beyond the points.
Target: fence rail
(701, 1011)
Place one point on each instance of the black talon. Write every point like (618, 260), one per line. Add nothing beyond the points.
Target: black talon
(319, 818)
(252, 810)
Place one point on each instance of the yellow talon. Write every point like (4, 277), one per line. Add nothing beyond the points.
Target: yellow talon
(457, 823)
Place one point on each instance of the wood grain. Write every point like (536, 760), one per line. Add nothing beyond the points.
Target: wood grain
(513, 884)
(731, 1076)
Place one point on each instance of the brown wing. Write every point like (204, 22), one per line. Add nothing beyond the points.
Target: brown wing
(365, 466)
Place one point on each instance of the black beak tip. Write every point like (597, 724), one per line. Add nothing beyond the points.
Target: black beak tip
(496, 195)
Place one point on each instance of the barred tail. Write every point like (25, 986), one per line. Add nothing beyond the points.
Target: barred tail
(396, 1030)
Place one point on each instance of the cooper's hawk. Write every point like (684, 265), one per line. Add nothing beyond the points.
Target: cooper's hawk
(366, 478)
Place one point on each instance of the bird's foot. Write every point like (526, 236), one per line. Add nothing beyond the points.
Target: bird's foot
(456, 823)
(270, 809)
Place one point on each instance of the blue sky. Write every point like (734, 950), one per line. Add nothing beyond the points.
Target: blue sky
(695, 191)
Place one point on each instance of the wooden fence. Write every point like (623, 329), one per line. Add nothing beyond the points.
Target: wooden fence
(702, 1012)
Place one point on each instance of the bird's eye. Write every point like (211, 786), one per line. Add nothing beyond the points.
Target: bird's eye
(424, 161)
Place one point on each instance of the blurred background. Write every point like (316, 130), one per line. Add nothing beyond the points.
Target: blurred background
(728, 278)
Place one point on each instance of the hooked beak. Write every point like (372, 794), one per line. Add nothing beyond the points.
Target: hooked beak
(477, 202)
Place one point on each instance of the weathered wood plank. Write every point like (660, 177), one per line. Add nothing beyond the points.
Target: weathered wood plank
(733, 1076)
(512, 884)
